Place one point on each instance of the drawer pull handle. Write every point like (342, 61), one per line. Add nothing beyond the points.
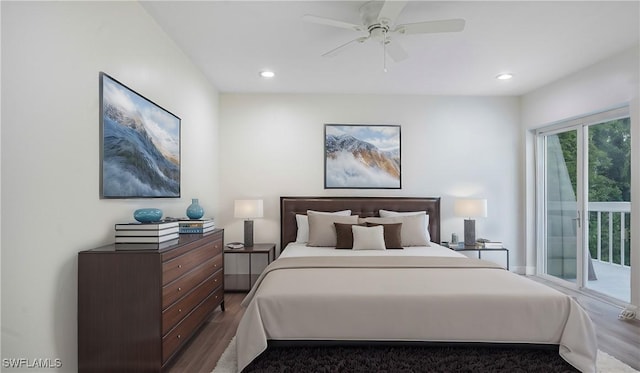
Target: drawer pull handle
(216, 280)
(179, 310)
(179, 289)
(179, 336)
(179, 265)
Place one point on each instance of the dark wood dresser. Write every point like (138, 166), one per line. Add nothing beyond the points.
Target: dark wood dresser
(137, 308)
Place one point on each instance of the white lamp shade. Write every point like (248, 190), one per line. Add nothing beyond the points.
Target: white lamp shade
(470, 208)
(248, 208)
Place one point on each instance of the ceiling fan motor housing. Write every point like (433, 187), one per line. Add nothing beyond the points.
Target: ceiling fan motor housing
(378, 32)
(378, 28)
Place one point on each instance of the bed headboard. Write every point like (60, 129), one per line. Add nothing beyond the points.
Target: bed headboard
(362, 206)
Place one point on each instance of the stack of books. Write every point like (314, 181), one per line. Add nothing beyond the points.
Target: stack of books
(191, 226)
(149, 235)
(492, 245)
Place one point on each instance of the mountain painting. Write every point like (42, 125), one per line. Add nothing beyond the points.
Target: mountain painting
(140, 145)
(362, 156)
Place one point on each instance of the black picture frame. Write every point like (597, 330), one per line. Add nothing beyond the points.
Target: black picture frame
(140, 146)
(362, 156)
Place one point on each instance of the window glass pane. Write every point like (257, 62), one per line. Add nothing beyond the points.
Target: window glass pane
(609, 175)
(561, 205)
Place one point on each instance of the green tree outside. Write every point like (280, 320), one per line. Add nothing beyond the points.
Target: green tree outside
(609, 178)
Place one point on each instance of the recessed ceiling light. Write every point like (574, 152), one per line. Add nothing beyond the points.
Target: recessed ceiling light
(504, 76)
(267, 74)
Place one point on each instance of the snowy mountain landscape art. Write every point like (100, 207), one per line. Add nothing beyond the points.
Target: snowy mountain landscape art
(362, 156)
(140, 145)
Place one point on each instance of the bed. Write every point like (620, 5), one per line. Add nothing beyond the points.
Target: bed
(418, 293)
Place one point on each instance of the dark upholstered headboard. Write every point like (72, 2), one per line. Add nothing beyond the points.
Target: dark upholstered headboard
(362, 206)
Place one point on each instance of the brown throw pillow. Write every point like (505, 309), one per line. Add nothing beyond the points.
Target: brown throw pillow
(392, 234)
(344, 235)
(413, 228)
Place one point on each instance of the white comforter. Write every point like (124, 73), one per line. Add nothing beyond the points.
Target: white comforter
(322, 298)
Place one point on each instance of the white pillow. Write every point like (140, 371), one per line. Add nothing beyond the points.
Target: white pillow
(412, 231)
(388, 214)
(322, 231)
(368, 238)
(303, 224)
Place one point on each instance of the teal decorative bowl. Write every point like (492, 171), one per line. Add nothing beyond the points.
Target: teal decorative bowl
(147, 215)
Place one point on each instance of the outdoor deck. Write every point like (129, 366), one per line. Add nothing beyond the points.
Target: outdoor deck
(613, 280)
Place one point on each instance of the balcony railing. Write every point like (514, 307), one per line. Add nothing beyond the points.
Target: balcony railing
(610, 212)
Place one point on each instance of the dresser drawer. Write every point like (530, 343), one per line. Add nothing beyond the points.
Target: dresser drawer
(193, 241)
(183, 285)
(177, 267)
(172, 341)
(172, 315)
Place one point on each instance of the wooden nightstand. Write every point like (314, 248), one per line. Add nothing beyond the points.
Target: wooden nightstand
(244, 282)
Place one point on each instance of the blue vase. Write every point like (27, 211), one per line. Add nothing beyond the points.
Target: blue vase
(195, 211)
(147, 215)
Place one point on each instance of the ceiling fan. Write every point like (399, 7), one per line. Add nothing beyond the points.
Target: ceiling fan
(378, 23)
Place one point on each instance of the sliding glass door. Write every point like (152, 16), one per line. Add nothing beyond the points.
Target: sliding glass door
(584, 203)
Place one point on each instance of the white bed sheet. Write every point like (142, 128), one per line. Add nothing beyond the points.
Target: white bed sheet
(438, 304)
(301, 249)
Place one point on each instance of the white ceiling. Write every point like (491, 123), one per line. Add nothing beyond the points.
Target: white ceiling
(539, 42)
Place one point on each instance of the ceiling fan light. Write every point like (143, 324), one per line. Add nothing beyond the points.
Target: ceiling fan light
(267, 74)
(504, 76)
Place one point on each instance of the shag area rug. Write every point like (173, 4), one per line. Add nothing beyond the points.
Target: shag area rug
(410, 358)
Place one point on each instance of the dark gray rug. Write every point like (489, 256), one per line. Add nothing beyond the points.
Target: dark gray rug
(411, 358)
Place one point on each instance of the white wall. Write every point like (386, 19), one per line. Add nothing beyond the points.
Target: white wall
(451, 146)
(52, 53)
(602, 86)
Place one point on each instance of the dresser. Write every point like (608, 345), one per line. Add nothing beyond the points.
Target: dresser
(137, 308)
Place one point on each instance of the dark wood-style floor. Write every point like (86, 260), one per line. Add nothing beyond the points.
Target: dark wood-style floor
(618, 338)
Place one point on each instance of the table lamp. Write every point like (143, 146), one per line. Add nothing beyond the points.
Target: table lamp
(470, 208)
(248, 209)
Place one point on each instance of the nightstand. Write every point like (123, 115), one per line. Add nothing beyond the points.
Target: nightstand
(481, 250)
(244, 282)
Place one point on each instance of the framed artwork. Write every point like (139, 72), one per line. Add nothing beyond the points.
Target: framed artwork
(139, 145)
(362, 156)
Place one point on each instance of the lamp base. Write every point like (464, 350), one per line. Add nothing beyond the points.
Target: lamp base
(469, 232)
(248, 233)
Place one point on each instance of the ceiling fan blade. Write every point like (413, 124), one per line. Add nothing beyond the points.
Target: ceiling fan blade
(332, 22)
(390, 11)
(339, 49)
(396, 51)
(448, 25)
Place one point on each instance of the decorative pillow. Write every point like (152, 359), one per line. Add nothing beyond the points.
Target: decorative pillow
(413, 228)
(388, 214)
(322, 232)
(392, 235)
(344, 236)
(303, 224)
(368, 238)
